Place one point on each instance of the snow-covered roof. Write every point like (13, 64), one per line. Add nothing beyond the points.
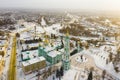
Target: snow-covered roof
(34, 60)
(33, 44)
(37, 59)
(32, 54)
(48, 48)
(53, 53)
(58, 52)
(25, 63)
(41, 58)
(2, 42)
(25, 56)
(57, 44)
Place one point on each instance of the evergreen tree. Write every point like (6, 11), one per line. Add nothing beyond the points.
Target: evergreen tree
(90, 76)
(57, 73)
(103, 74)
(61, 71)
(110, 57)
(53, 78)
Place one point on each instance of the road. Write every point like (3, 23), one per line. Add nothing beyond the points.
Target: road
(12, 66)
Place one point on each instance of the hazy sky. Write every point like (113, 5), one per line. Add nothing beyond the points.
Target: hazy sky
(63, 4)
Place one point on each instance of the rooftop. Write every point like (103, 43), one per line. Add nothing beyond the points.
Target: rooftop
(32, 61)
(53, 53)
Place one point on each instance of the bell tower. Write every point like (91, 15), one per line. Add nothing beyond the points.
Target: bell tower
(66, 59)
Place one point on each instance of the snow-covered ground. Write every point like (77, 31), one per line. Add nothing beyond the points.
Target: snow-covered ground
(26, 35)
(81, 59)
(100, 55)
(53, 29)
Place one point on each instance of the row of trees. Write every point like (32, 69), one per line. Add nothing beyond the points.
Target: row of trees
(78, 30)
(32, 41)
(59, 73)
(115, 59)
(6, 21)
(53, 36)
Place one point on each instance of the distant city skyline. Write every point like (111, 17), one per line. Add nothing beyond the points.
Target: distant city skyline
(105, 5)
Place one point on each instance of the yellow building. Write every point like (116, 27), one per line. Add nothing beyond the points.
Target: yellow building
(33, 64)
(26, 67)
